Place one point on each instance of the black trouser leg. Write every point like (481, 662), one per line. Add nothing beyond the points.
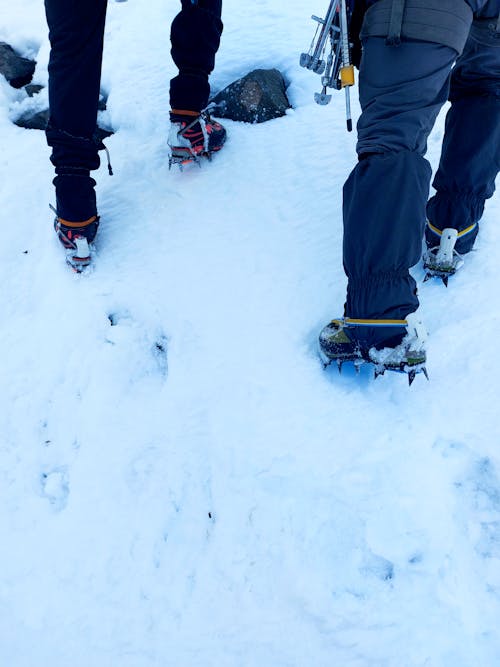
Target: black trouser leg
(195, 37)
(76, 32)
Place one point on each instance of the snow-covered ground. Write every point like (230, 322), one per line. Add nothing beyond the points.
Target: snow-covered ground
(181, 484)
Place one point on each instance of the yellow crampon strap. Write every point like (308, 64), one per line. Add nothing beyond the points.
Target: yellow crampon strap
(439, 232)
(350, 321)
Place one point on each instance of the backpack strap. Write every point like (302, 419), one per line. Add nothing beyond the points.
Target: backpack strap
(396, 23)
(446, 22)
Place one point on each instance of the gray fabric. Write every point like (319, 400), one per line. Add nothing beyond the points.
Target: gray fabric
(444, 22)
(385, 196)
(481, 8)
(401, 94)
(383, 229)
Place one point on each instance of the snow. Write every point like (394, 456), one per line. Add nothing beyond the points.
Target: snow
(181, 484)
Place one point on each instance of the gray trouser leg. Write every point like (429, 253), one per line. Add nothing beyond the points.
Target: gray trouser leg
(401, 92)
(470, 158)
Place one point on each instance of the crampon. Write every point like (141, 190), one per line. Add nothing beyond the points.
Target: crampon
(77, 239)
(338, 344)
(443, 260)
(193, 137)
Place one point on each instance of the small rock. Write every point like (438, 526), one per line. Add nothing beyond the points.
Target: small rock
(257, 97)
(33, 120)
(37, 120)
(17, 70)
(33, 89)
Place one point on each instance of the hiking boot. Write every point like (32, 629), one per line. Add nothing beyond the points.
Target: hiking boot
(401, 349)
(76, 238)
(193, 135)
(337, 343)
(443, 260)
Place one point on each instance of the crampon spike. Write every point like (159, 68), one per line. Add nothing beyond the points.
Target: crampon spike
(445, 280)
(78, 267)
(181, 162)
(339, 365)
(413, 373)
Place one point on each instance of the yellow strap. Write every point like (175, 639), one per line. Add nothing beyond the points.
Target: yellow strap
(439, 232)
(376, 323)
(434, 229)
(467, 230)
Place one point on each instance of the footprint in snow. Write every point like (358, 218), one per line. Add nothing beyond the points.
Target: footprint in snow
(484, 486)
(377, 566)
(127, 330)
(55, 487)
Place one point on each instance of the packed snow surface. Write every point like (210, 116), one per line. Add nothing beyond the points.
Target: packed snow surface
(181, 483)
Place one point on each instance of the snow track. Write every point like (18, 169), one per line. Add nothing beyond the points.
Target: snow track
(181, 484)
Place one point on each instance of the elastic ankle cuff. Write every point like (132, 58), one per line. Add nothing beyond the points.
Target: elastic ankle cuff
(376, 279)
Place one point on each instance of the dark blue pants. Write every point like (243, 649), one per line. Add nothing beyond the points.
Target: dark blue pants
(76, 30)
(402, 90)
(470, 158)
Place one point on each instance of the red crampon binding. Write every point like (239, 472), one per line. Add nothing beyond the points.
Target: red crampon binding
(192, 136)
(76, 238)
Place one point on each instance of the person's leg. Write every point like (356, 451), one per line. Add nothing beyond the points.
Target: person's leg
(76, 29)
(470, 158)
(401, 92)
(195, 37)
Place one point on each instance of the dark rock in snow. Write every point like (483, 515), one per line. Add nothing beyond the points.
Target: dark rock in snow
(32, 120)
(257, 97)
(17, 70)
(38, 121)
(33, 89)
